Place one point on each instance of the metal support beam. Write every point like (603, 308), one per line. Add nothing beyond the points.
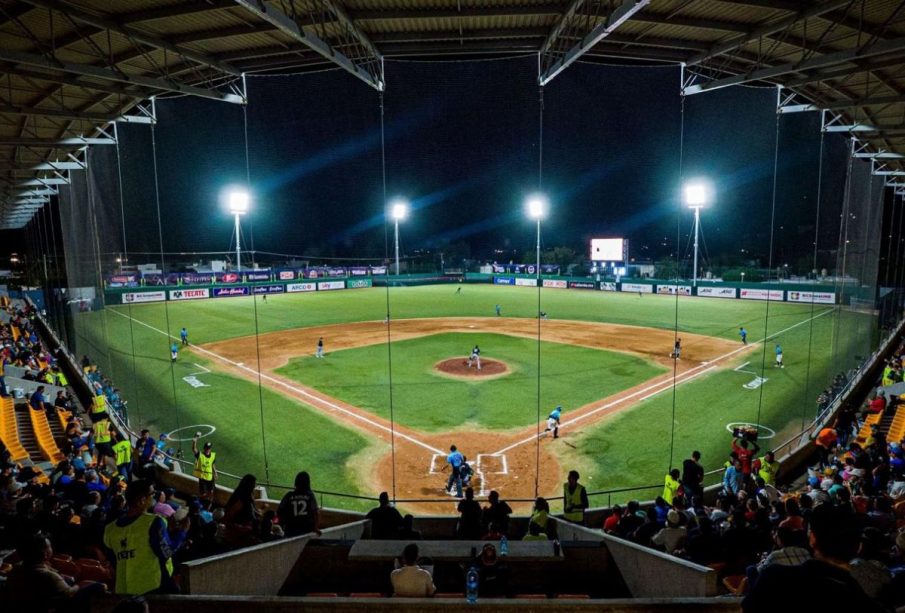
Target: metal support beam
(881, 155)
(76, 141)
(896, 45)
(31, 111)
(43, 166)
(768, 29)
(87, 70)
(43, 182)
(133, 34)
(554, 62)
(368, 68)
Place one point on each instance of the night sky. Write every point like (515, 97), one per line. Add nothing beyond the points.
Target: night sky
(462, 142)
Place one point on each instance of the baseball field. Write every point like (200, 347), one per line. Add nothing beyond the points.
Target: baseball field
(389, 398)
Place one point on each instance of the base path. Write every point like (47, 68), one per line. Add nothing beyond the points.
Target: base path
(504, 460)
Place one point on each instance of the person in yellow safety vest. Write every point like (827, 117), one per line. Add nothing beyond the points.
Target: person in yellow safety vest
(204, 467)
(575, 499)
(102, 439)
(671, 485)
(122, 452)
(99, 405)
(888, 371)
(768, 468)
(138, 547)
(62, 381)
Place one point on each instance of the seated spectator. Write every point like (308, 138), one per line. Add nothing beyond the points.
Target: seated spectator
(37, 400)
(269, 530)
(386, 521)
(869, 567)
(540, 514)
(822, 583)
(702, 544)
(789, 549)
(411, 580)
(647, 529)
(793, 520)
(612, 520)
(469, 525)
(493, 576)
(298, 510)
(241, 516)
(534, 534)
(631, 520)
(672, 537)
(408, 532)
(162, 508)
(497, 513)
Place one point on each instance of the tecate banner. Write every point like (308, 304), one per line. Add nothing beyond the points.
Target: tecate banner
(504, 281)
(226, 292)
(607, 286)
(189, 294)
(760, 294)
(555, 283)
(582, 285)
(717, 292)
(136, 297)
(327, 285)
(644, 288)
(268, 289)
(358, 283)
(301, 287)
(526, 282)
(287, 275)
(816, 297)
(672, 290)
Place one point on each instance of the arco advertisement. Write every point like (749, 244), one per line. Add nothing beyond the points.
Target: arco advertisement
(301, 287)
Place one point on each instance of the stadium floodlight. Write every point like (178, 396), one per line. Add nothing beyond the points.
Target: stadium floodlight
(238, 200)
(399, 210)
(697, 194)
(536, 207)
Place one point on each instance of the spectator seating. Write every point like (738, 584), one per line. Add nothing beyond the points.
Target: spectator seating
(46, 442)
(864, 432)
(9, 432)
(897, 427)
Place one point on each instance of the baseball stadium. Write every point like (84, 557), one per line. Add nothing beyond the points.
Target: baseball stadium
(275, 274)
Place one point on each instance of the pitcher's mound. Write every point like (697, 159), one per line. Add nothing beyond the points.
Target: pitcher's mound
(457, 368)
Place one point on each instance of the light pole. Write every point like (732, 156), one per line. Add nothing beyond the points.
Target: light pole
(696, 195)
(238, 206)
(537, 208)
(398, 211)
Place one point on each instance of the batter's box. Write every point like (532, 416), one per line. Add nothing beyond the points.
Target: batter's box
(438, 461)
(493, 464)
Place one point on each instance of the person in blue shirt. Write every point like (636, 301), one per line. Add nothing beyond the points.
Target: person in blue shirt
(184, 335)
(174, 351)
(744, 334)
(498, 309)
(455, 460)
(779, 355)
(37, 399)
(553, 421)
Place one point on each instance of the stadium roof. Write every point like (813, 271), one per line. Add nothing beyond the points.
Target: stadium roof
(71, 69)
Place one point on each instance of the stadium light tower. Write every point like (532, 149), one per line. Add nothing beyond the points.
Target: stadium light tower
(696, 195)
(238, 201)
(537, 209)
(399, 210)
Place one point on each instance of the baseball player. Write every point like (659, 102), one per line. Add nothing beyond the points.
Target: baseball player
(778, 356)
(475, 358)
(553, 421)
(458, 290)
(320, 348)
(498, 310)
(677, 349)
(174, 351)
(744, 334)
(184, 335)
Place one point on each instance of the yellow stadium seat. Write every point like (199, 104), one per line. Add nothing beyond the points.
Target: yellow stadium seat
(46, 442)
(9, 432)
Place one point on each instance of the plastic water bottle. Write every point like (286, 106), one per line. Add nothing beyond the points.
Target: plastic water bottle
(471, 585)
(504, 546)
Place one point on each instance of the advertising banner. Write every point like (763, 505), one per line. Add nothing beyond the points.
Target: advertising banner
(327, 285)
(499, 268)
(155, 279)
(526, 282)
(358, 271)
(378, 270)
(301, 287)
(717, 292)
(122, 281)
(643, 288)
(504, 281)
(336, 272)
(816, 297)
(287, 275)
(228, 277)
(549, 269)
(358, 283)
(582, 285)
(226, 292)
(760, 294)
(555, 283)
(189, 294)
(136, 297)
(268, 289)
(257, 276)
(672, 290)
(607, 286)
(197, 279)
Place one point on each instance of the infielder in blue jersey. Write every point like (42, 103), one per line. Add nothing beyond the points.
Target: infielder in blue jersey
(553, 421)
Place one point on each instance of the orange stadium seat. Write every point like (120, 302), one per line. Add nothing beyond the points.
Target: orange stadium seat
(46, 442)
(9, 432)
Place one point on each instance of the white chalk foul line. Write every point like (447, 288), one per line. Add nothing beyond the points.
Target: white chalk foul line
(297, 390)
(685, 377)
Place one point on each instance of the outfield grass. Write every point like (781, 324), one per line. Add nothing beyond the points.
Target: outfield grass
(423, 400)
(632, 448)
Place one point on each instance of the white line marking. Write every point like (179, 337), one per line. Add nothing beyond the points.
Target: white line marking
(431, 470)
(740, 367)
(665, 385)
(480, 474)
(203, 369)
(297, 390)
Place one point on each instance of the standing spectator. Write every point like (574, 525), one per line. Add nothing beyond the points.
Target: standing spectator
(122, 453)
(469, 526)
(3, 393)
(671, 485)
(411, 580)
(454, 460)
(767, 469)
(298, 511)
(102, 436)
(733, 479)
(37, 400)
(145, 447)
(496, 514)
(745, 450)
(693, 475)
(826, 440)
(612, 521)
(205, 468)
(575, 499)
(240, 516)
(386, 522)
(138, 547)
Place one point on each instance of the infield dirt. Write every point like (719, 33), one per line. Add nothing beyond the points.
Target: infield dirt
(507, 459)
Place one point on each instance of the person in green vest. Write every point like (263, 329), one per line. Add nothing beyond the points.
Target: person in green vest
(768, 468)
(204, 468)
(575, 499)
(122, 453)
(102, 438)
(137, 545)
(671, 485)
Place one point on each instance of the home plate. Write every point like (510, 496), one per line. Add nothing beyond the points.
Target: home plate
(471, 326)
